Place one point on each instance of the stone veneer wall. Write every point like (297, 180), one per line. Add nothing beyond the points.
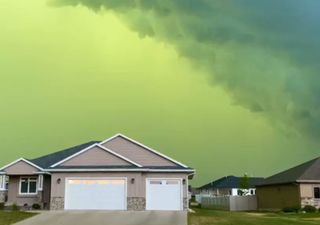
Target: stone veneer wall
(136, 203)
(3, 195)
(310, 201)
(57, 203)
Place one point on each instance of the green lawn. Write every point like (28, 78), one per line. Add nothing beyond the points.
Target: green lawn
(215, 217)
(7, 217)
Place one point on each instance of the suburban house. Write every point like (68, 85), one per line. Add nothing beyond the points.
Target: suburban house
(295, 187)
(115, 174)
(229, 186)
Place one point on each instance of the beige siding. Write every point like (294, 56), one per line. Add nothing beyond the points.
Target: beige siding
(278, 196)
(96, 157)
(137, 189)
(136, 153)
(20, 168)
(15, 197)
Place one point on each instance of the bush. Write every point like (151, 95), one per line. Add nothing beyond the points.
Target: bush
(291, 209)
(1, 205)
(309, 209)
(36, 206)
(14, 207)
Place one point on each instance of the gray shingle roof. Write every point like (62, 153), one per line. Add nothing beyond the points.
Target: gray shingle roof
(231, 182)
(307, 171)
(48, 160)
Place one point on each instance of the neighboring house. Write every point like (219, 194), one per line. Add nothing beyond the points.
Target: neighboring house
(116, 174)
(229, 186)
(295, 187)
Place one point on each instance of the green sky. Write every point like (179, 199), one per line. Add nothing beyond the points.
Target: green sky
(70, 74)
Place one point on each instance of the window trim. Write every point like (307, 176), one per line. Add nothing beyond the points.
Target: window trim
(2, 182)
(314, 190)
(6, 183)
(28, 178)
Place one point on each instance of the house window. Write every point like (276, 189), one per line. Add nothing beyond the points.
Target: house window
(28, 185)
(316, 191)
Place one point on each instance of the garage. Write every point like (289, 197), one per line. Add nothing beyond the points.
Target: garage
(164, 194)
(95, 194)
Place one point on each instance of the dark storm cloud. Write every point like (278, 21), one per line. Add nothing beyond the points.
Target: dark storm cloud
(264, 53)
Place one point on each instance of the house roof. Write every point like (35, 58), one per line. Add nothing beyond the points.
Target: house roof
(308, 171)
(231, 182)
(56, 161)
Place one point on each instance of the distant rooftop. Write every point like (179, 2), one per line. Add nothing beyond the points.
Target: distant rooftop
(231, 182)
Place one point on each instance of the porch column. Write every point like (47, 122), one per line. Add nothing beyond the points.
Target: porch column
(40, 187)
(3, 190)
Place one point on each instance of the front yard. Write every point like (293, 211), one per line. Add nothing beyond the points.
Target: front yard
(214, 217)
(11, 217)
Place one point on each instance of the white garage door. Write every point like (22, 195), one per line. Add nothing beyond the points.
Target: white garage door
(95, 194)
(164, 194)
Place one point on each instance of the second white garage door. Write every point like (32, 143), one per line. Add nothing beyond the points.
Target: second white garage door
(164, 194)
(95, 194)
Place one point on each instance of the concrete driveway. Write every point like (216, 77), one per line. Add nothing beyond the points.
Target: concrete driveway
(107, 218)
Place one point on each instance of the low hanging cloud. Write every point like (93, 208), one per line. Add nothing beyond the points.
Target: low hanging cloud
(264, 53)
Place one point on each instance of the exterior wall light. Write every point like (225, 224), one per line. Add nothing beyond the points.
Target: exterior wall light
(58, 180)
(132, 180)
(184, 181)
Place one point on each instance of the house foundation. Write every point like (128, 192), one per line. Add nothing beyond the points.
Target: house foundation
(3, 195)
(57, 203)
(136, 204)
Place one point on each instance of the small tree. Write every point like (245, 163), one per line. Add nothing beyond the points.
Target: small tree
(244, 185)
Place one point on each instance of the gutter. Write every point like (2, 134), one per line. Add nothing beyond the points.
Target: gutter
(120, 170)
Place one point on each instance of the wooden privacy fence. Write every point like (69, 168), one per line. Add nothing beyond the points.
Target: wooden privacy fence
(231, 203)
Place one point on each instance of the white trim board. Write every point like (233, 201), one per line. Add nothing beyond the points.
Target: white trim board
(23, 160)
(101, 147)
(144, 146)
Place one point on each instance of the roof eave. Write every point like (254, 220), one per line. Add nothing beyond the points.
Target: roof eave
(121, 170)
(277, 183)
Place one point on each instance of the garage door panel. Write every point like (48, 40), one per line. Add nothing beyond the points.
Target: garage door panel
(95, 194)
(164, 194)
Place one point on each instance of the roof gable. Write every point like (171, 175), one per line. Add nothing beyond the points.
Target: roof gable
(139, 153)
(101, 147)
(21, 166)
(96, 156)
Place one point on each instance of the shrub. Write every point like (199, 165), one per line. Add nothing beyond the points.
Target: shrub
(293, 209)
(14, 207)
(36, 206)
(1, 205)
(309, 209)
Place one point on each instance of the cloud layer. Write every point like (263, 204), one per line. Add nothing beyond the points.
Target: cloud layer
(264, 53)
